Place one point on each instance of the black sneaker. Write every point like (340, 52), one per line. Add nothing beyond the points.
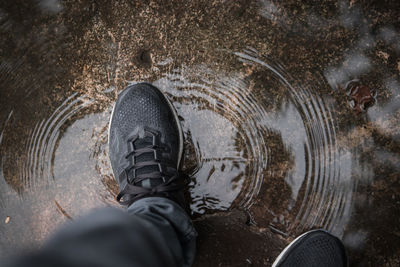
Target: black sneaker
(146, 145)
(313, 248)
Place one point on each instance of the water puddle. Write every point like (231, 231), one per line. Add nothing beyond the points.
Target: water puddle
(271, 146)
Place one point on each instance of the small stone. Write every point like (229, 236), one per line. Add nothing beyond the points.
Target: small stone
(7, 220)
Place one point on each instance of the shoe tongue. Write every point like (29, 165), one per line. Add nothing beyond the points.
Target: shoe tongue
(142, 143)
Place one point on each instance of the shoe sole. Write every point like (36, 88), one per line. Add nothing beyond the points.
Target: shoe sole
(180, 153)
(288, 247)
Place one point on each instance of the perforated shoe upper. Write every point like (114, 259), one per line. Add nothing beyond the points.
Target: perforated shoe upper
(145, 142)
(314, 248)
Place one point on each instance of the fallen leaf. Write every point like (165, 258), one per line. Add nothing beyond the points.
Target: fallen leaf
(383, 55)
(63, 212)
(398, 66)
(7, 220)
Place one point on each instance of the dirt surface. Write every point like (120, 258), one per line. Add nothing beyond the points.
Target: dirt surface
(276, 136)
(228, 240)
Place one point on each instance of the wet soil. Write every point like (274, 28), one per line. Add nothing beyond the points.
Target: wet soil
(277, 143)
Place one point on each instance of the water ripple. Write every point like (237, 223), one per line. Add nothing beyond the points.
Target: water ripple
(256, 139)
(247, 147)
(42, 142)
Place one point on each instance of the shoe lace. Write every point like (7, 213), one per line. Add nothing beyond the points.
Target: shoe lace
(169, 179)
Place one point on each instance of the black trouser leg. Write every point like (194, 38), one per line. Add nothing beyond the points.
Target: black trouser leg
(153, 232)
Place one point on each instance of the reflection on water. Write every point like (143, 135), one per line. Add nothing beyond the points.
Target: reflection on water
(262, 100)
(248, 130)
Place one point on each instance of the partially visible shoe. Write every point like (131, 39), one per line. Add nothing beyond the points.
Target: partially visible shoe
(313, 248)
(146, 145)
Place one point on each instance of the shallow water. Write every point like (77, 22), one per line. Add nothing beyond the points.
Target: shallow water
(260, 88)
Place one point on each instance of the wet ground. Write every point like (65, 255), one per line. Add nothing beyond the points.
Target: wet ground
(290, 113)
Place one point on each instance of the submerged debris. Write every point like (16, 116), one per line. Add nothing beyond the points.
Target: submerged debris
(61, 210)
(361, 97)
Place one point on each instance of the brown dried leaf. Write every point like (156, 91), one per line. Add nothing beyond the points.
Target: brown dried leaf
(398, 66)
(383, 55)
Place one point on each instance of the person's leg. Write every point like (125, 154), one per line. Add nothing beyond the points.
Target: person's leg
(166, 214)
(146, 147)
(154, 232)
